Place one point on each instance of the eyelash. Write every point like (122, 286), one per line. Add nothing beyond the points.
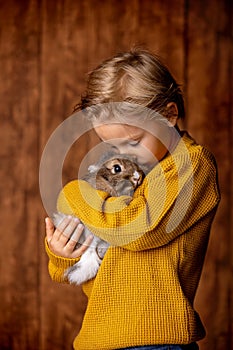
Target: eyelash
(134, 143)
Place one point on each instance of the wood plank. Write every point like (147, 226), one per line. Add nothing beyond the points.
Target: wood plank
(19, 90)
(118, 26)
(209, 119)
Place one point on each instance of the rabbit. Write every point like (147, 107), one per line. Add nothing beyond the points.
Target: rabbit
(117, 175)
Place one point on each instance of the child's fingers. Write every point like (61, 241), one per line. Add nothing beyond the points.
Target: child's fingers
(71, 228)
(63, 225)
(71, 244)
(78, 252)
(77, 232)
(63, 240)
(49, 227)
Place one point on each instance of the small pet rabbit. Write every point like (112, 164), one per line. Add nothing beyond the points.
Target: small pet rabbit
(118, 175)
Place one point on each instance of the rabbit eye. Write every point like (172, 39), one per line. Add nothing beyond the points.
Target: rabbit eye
(116, 169)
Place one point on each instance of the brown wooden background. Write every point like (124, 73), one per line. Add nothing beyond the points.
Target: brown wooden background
(46, 49)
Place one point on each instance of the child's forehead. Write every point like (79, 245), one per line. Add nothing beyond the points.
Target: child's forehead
(115, 131)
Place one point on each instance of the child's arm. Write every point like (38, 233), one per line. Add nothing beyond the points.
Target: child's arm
(156, 214)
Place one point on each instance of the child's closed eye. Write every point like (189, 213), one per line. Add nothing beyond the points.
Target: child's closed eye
(134, 143)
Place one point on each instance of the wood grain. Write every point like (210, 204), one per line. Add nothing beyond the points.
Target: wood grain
(46, 50)
(20, 241)
(208, 94)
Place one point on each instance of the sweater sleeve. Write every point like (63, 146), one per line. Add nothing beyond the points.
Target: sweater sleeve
(58, 265)
(177, 193)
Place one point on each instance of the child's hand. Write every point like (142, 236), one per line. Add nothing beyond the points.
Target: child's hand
(59, 240)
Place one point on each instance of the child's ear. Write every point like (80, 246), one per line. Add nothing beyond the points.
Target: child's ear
(172, 113)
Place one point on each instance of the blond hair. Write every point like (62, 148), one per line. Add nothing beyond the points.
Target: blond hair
(137, 77)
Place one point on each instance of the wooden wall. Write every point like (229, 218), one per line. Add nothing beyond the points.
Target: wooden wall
(46, 49)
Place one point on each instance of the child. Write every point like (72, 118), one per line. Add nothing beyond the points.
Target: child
(143, 294)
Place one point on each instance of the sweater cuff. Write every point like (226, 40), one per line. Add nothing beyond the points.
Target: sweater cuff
(58, 264)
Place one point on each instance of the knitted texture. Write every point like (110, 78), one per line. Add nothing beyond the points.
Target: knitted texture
(145, 288)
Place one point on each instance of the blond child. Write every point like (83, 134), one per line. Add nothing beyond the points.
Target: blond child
(143, 294)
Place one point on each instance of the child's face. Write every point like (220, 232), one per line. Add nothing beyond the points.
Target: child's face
(133, 140)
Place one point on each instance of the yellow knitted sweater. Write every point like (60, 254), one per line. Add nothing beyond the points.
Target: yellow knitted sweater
(144, 291)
